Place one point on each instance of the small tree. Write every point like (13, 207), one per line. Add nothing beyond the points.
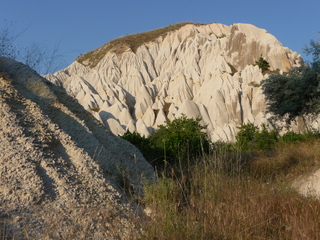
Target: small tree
(246, 135)
(263, 64)
(314, 50)
(295, 93)
(291, 94)
(178, 141)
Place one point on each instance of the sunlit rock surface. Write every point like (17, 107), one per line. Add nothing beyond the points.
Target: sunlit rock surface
(198, 70)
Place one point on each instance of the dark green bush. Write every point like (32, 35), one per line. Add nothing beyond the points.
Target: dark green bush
(263, 64)
(246, 135)
(250, 137)
(180, 141)
(265, 139)
(295, 93)
(152, 153)
(291, 136)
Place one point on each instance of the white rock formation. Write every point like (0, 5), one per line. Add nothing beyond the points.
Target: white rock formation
(197, 70)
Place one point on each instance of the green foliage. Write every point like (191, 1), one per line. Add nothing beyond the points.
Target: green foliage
(135, 138)
(314, 50)
(291, 137)
(179, 141)
(297, 92)
(291, 94)
(263, 64)
(246, 135)
(265, 139)
(251, 138)
(247, 132)
(150, 152)
(182, 139)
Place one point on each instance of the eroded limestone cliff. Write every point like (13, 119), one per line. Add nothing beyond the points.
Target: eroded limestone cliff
(197, 70)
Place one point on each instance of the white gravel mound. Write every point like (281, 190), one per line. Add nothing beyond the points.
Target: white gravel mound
(57, 163)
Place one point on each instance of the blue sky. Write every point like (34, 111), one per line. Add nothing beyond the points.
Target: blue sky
(81, 26)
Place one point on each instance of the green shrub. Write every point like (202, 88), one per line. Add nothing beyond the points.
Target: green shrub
(291, 136)
(251, 138)
(151, 153)
(182, 139)
(265, 139)
(263, 64)
(295, 93)
(178, 142)
(292, 94)
(246, 135)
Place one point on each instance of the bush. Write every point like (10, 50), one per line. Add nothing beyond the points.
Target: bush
(291, 137)
(152, 154)
(182, 139)
(265, 139)
(179, 141)
(293, 94)
(246, 135)
(251, 138)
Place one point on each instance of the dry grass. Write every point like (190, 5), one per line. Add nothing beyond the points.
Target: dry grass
(121, 44)
(3, 230)
(224, 196)
(212, 202)
(287, 161)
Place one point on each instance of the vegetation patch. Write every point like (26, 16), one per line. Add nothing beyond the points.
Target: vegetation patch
(263, 64)
(178, 142)
(296, 93)
(122, 44)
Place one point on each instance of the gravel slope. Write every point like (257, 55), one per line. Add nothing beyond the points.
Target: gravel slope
(60, 170)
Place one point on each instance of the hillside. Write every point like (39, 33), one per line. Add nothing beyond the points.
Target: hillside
(57, 160)
(140, 81)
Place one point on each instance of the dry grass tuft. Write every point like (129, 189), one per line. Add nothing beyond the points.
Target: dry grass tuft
(122, 44)
(288, 161)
